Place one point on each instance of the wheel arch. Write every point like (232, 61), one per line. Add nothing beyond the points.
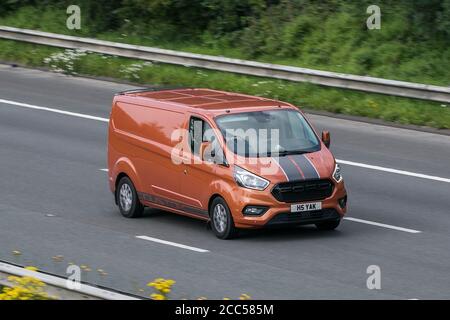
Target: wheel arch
(124, 168)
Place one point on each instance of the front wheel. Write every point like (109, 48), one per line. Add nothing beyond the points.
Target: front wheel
(221, 220)
(127, 199)
(328, 225)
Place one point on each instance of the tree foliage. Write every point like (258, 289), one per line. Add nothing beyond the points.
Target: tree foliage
(226, 16)
(414, 40)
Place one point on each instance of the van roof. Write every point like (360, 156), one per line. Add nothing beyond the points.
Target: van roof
(206, 99)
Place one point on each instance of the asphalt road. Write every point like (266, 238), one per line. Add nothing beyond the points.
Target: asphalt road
(54, 200)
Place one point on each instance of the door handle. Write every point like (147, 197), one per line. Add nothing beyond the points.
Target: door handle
(185, 171)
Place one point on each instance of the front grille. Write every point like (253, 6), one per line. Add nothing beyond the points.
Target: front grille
(298, 218)
(298, 191)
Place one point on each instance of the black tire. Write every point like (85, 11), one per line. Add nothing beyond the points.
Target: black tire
(133, 210)
(228, 231)
(328, 225)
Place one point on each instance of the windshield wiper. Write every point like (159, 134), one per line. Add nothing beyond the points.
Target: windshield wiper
(290, 152)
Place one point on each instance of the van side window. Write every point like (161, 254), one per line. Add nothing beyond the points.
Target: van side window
(199, 131)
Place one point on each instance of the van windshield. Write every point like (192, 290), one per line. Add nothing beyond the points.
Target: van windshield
(267, 133)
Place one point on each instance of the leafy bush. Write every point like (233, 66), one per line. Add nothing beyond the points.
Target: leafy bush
(25, 288)
(413, 43)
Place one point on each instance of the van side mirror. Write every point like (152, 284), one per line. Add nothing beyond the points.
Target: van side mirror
(326, 138)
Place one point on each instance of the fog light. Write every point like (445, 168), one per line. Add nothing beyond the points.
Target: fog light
(343, 202)
(254, 210)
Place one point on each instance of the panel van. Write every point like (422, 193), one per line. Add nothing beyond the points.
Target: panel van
(233, 160)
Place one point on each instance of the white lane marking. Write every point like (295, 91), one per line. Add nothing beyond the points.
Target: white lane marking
(105, 170)
(406, 173)
(388, 226)
(67, 113)
(350, 163)
(174, 244)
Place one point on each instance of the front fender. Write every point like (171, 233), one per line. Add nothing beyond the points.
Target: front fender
(124, 165)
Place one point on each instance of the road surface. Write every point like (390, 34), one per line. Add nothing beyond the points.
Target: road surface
(55, 200)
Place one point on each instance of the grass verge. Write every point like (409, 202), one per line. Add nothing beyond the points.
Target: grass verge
(315, 97)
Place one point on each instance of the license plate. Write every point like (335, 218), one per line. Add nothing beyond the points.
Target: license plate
(303, 207)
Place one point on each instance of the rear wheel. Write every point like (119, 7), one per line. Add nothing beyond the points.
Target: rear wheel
(221, 220)
(328, 225)
(128, 200)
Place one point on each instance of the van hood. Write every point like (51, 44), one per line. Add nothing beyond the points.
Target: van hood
(308, 166)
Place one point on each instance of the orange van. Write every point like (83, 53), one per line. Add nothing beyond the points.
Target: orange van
(233, 160)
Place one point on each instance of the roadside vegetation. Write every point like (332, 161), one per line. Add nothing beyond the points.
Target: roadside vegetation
(31, 288)
(25, 288)
(412, 45)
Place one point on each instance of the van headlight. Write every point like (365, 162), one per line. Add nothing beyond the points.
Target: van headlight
(337, 175)
(249, 180)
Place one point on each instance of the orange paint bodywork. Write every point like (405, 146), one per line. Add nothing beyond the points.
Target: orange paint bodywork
(141, 142)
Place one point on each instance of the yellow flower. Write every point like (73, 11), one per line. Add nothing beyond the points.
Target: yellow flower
(156, 296)
(25, 288)
(244, 296)
(31, 268)
(163, 286)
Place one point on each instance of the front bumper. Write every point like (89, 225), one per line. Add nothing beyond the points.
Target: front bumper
(311, 217)
(279, 212)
